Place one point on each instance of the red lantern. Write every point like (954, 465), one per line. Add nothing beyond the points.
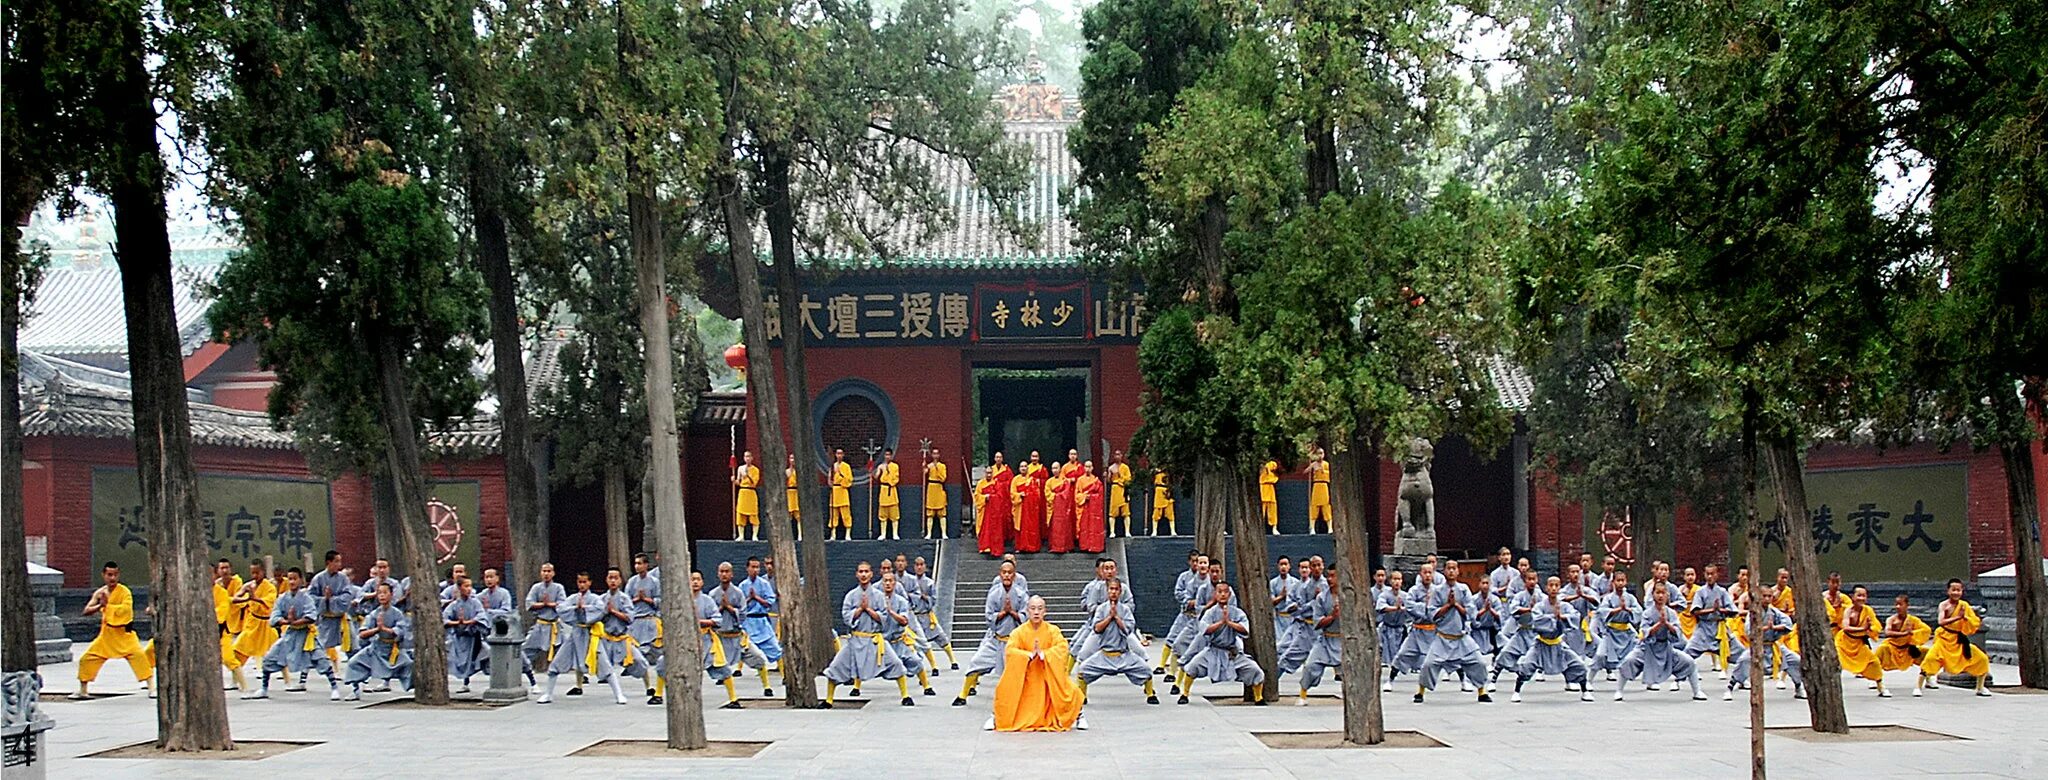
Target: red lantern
(736, 356)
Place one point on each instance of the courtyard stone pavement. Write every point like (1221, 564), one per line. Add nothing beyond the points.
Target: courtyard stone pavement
(1551, 734)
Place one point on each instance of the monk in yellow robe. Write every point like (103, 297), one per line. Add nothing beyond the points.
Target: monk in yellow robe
(1318, 490)
(226, 583)
(1269, 502)
(746, 502)
(1904, 635)
(1119, 477)
(256, 600)
(934, 495)
(1855, 629)
(116, 607)
(1035, 693)
(840, 515)
(1952, 651)
(796, 512)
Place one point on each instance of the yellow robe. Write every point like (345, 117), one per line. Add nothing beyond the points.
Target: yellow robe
(1162, 497)
(228, 616)
(116, 639)
(1785, 602)
(1319, 491)
(1854, 647)
(1035, 694)
(257, 634)
(935, 489)
(842, 484)
(1686, 621)
(1903, 652)
(1119, 490)
(1269, 476)
(747, 506)
(1946, 654)
(789, 490)
(888, 500)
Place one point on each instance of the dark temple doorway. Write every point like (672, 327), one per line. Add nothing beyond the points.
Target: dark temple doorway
(1019, 409)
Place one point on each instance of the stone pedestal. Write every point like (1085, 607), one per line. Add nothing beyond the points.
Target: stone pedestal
(1408, 541)
(24, 753)
(1407, 565)
(52, 646)
(1997, 604)
(507, 684)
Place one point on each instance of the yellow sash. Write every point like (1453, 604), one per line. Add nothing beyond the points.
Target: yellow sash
(881, 645)
(395, 648)
(553, 637)
(1550, 640)
(1620, 626)
(717, 647)
(312, 638)
(597, 634)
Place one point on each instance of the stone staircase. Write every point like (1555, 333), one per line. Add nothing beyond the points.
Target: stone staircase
(1057, 578)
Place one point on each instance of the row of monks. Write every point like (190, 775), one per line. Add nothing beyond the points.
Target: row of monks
(1062, 508)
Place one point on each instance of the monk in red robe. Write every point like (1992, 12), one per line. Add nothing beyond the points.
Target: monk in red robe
(1060, 492)
(995, 509)
(1027, 503)
(1088, 517)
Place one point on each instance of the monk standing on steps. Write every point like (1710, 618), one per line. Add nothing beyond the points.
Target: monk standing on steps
(1035, 693)
(992, 517)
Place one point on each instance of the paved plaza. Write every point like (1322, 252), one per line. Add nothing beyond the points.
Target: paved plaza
(1551, 734)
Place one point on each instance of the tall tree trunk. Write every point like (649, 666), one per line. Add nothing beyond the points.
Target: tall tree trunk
(415, 532)
(800, 667)
(1212, 506)
(1352, 511)
(618, 542)
(2023, 510)
(1822, 669)
(1753, 621)
(1210, 228)
(683, 670)
(1322, 160)
(781, 214)
(17, 611)
(522, 491)
(384, 514)
(191, 712)
(1248, 548)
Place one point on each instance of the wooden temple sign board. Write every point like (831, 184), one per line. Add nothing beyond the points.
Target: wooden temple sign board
(917, 314)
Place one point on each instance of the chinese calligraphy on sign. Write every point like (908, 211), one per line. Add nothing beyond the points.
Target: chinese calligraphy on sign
(244, 518)
(915, 313)
(247, 518)
(1891, 525)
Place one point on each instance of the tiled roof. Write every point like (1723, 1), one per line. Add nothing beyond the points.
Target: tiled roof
(63, 406)
(1511, 382)
(727, 408)
(976, 239)
(78, 311)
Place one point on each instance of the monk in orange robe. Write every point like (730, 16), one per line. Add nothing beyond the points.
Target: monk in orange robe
(1035, 693)
(994, 532)
(1088, 509)
(1059, 491)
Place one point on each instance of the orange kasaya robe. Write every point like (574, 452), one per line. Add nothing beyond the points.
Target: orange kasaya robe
(1036, 694)
(1088, 513)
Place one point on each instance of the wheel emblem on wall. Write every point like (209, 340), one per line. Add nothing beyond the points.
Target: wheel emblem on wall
(447, 525)
(1617, 535)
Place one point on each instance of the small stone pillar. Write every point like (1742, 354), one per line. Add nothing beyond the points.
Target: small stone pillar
(52, 646)
(507, 684)
(23, 752)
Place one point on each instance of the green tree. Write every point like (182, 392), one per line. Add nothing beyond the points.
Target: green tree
(1738, 202)
(834, 114)
(349, 281)
(86, 117)
(1976, 334)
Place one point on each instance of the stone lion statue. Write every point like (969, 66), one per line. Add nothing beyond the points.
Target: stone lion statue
(1416, 506)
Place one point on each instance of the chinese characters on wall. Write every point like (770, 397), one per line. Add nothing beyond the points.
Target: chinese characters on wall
(1888, 525)
(245, 518)
(913, 313)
